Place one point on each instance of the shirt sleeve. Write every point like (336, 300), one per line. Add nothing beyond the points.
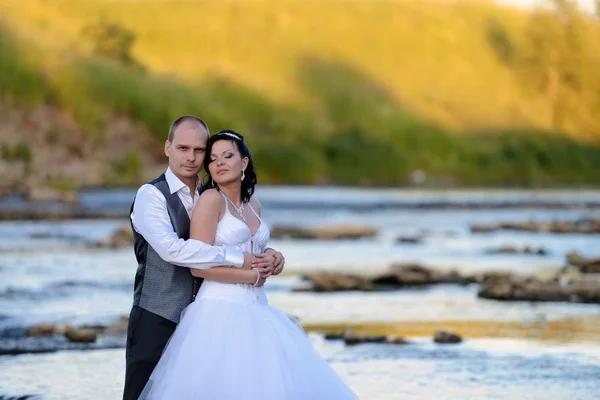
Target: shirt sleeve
(150, 219)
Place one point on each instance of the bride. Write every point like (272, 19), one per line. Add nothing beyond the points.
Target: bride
(230, 343)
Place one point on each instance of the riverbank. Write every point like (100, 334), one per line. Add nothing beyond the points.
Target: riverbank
(92, 101)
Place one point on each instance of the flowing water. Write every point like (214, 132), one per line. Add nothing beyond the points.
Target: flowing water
(517, 350)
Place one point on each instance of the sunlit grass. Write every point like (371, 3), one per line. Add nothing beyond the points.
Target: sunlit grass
(432, 58)
(353, 92)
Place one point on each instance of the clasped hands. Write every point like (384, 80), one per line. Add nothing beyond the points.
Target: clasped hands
(269, 263)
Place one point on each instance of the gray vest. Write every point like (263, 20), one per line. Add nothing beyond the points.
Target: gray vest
(160, 287)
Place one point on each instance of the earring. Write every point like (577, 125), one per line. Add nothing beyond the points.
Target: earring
(213, 181)
(243, 174)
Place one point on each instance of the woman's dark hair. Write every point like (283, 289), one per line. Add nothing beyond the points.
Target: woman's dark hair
(250, 176)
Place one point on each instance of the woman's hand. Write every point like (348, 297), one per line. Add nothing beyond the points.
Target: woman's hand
(279, 260)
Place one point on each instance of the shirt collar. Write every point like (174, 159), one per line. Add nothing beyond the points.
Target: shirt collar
(175, 184)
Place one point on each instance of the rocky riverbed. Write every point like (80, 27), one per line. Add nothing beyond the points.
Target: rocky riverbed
(575, 282)
(406, 298)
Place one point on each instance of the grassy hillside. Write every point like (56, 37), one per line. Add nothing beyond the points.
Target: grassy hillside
(432, 58)
(352, 92)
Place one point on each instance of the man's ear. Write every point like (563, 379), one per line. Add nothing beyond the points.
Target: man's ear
(167, 148)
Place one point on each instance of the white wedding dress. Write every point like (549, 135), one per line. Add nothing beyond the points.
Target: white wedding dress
(231, 345)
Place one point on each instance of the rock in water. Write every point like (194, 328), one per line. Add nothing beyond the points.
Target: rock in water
(446, 337)
(42, 330)
(122, 237)
(80, 335)
(325, 232)
(351, 338)
(396, 340)
(334, 282)
(585, 265)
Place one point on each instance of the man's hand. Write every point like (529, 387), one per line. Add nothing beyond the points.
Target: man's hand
(265, 263)
(279, 260)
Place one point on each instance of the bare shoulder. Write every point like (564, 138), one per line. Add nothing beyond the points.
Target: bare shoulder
(256, 205)
(210, 199)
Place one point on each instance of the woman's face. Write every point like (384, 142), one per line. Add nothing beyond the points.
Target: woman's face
(226, 163)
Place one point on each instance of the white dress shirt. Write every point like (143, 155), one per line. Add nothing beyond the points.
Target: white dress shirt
(151, 220)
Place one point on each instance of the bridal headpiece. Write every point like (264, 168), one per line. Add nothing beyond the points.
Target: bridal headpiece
(231, 135)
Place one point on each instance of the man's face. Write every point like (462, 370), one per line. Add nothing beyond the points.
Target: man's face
(186, 151)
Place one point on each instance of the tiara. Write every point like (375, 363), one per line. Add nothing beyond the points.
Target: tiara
(231, 135)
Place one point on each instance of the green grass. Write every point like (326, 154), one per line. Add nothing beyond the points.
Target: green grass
(20, 79)
(325, 92)
(433, 58)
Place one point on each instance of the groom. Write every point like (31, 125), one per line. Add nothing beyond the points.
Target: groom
(164, 286)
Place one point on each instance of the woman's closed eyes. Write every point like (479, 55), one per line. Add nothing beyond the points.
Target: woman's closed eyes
(228, 155)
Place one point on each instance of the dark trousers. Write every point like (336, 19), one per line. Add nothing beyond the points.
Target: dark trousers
(147, 336)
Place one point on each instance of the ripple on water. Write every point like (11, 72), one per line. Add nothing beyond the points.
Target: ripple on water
(478, 369)
(59, 285)
(62, 289)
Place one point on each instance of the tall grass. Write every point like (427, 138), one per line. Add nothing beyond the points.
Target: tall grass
(433, 58)
(20, 77)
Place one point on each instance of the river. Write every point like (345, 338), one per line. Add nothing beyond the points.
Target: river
(50, 273)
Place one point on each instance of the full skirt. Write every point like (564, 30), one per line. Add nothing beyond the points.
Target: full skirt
(232, 345)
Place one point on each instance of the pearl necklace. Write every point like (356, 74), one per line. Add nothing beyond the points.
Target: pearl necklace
(240, 209)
